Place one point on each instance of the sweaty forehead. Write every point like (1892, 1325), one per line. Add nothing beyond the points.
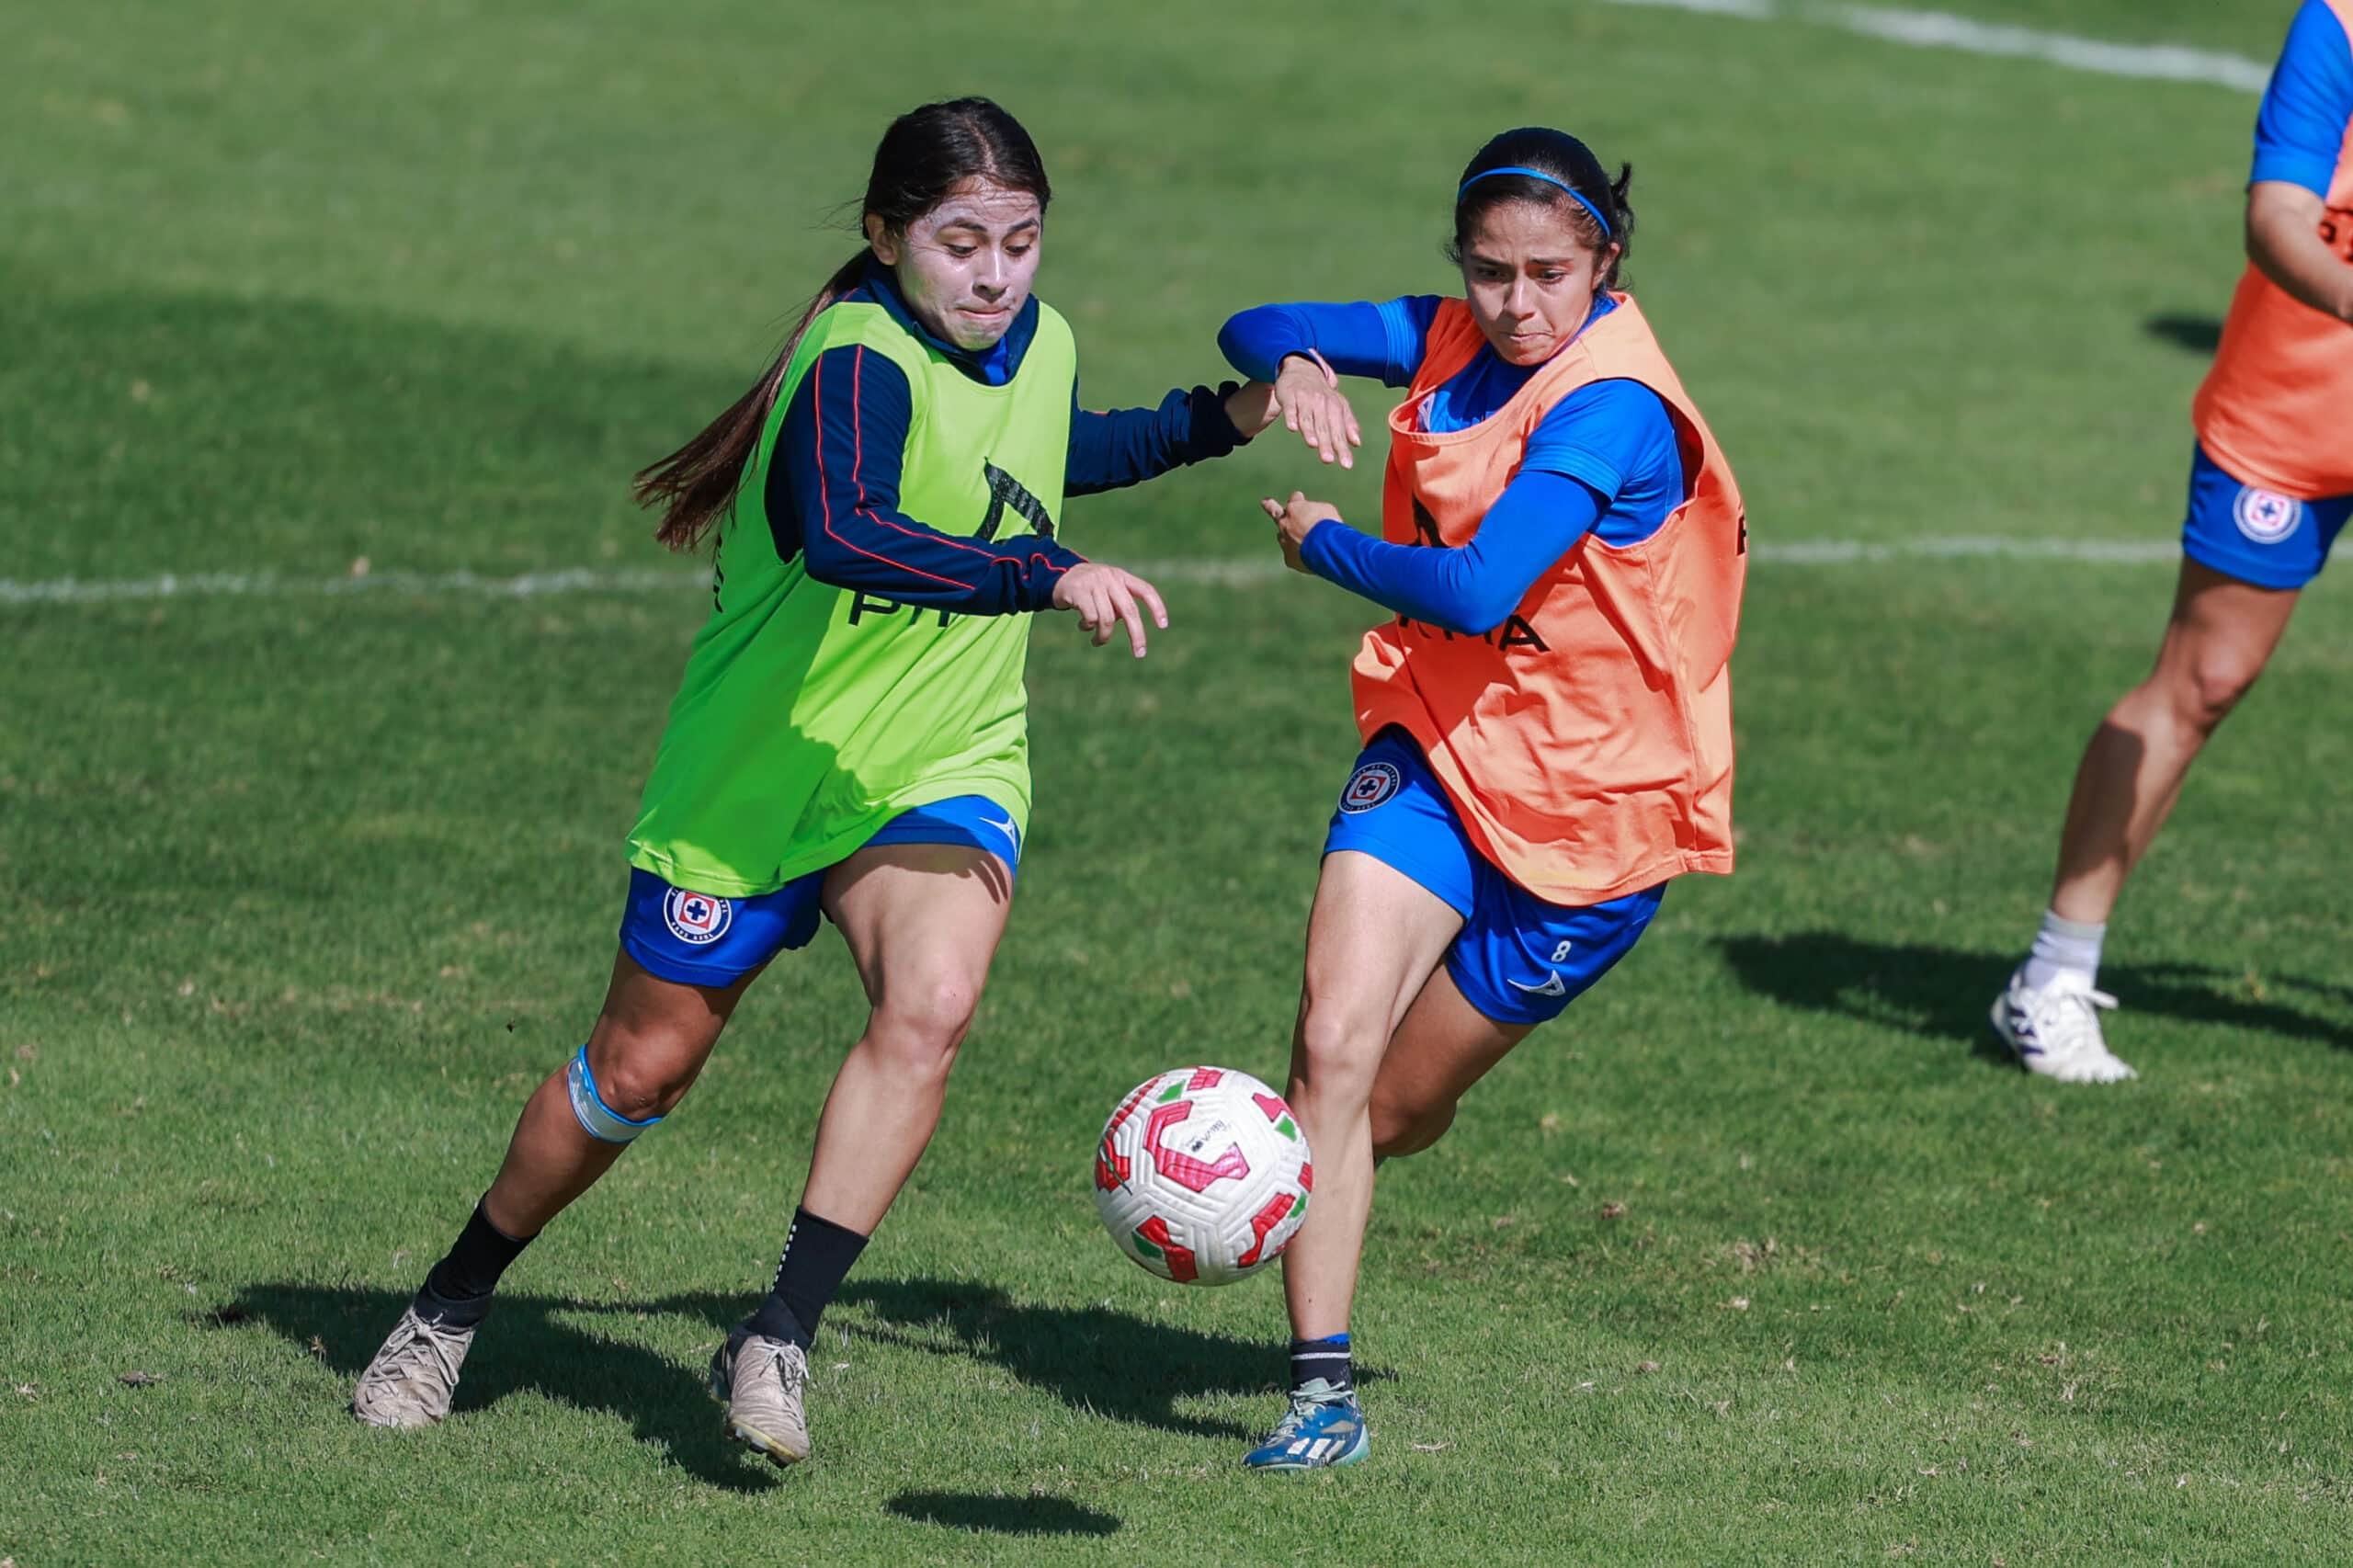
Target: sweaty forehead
(982, 203)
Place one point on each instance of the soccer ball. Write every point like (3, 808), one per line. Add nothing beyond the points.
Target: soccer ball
(1202, 1175)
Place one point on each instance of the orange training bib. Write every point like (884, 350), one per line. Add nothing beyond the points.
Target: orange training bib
(1586, 742)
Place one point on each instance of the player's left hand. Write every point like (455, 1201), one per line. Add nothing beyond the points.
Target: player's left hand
(1107, 599)
(1294, 520)
(1307, 392)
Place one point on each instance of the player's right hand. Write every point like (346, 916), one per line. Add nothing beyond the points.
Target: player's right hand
(1294, 521)
(1105, 596)
(1308, 393)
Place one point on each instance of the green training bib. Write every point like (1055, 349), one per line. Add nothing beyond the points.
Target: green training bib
(809, 715)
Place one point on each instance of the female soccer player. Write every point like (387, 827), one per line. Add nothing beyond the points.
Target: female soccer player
(849, 735)
(2270, 485)
(1548, 719)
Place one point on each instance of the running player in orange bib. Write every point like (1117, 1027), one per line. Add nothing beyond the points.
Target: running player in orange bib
(2270, 487)
(1547, 716)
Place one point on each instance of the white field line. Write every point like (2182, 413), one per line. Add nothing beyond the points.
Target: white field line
(1938, 29)
(268, 585)
(1755, 10)
(1221, 574)
(1926, 29)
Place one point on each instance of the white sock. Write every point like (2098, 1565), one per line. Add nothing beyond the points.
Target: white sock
(2064, 946)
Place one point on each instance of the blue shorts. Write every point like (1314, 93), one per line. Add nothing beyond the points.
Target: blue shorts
(1518, 960)
(2255, 535)
(699, 938)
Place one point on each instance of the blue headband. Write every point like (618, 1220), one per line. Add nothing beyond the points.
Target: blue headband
(1549, 179)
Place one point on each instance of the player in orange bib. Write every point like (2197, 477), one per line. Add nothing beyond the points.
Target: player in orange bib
(1547, 717)
(2272, 484)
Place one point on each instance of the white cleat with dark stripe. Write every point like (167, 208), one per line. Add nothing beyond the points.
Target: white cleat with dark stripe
(2055, 1029)
(764, 1383)
(415, 1375)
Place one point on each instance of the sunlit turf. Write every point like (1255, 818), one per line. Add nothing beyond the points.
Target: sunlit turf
(1762, 1254)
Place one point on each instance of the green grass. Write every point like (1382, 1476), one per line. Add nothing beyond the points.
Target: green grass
(304, 891)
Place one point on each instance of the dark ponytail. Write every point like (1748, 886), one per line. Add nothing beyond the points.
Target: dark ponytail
(1564, 158)
(925, 155)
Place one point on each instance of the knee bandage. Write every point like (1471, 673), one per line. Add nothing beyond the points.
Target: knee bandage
(598, 1119)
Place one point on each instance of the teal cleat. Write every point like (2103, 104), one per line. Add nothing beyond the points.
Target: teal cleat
(1325, 1427)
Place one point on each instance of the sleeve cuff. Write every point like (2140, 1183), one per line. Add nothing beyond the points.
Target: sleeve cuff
(2292, 169)
(1315, 551)
(1215, 434)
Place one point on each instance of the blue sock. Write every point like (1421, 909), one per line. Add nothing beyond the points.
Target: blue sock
(1327, 1358)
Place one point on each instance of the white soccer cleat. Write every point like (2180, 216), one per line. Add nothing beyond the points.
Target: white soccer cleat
(764, 1383)
(2055, 1030)
(414, 1377)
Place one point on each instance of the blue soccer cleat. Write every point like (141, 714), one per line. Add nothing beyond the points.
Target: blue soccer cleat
(1325, 1427)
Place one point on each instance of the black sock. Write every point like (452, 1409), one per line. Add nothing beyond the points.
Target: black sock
(1326, 1359)
(817, 1257)
(458, 1290)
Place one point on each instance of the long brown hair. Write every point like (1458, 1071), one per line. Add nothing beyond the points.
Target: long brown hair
(927, 153)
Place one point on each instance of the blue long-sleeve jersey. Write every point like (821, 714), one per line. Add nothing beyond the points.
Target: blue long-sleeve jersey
(1604, 461)
(838, 454)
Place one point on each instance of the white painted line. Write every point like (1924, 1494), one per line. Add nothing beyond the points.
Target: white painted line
(1940, 29)
(1755, 10)
(2161, 62)
(2089, 552)
(1221, 574)
(268, 585)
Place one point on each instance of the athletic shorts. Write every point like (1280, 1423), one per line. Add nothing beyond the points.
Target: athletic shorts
(2255, 535)
(699, 938)
(1518, 960)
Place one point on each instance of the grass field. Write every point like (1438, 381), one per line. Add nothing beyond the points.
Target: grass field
(1762, 1254)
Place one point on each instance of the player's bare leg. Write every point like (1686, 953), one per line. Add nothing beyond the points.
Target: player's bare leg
(922, 923)
(650, 1044)
(1444, 1046)
(650, 1041)
(2220, 635)
(1373, 939)
(2218, 640)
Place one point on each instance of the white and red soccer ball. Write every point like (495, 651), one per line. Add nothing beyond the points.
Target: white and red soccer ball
(1202, 1175)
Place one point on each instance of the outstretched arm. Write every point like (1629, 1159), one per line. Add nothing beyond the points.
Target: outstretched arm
(1611, 444)
(1383, 342)
(1305, 349)
(1127, 446)
(1471, 589)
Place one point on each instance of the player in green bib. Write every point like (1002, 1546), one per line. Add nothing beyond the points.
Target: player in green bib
(850, 735)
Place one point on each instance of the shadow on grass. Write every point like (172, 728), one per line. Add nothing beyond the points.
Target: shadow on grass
(1944, 992)
(527, 1345)
(1089, 1357)
(1104, 1362)
(2199, 335)
(1001, 1516)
